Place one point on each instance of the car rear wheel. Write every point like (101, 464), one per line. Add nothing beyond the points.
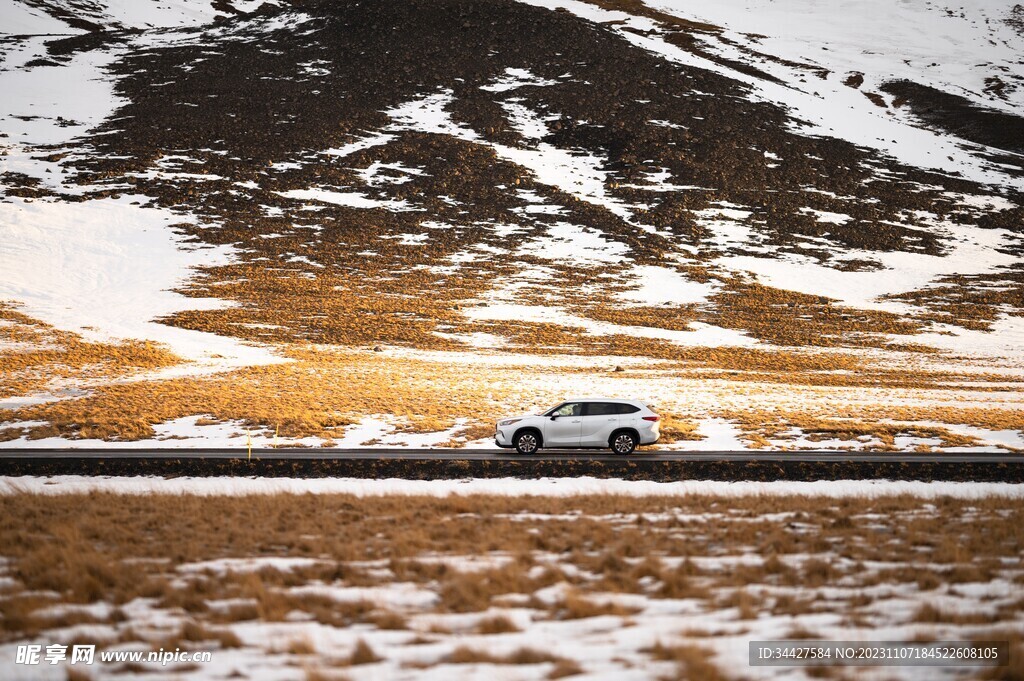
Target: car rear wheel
(527, 442)
(623, 442)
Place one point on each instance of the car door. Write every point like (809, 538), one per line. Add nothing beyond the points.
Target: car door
(598, 421)
(562, 429)
(629, 414)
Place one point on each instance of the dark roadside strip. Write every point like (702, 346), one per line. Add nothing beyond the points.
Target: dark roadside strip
(426, 464)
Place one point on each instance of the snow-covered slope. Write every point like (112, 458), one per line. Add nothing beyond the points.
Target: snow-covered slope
(39, 17)
(966, 48)
(855, 48)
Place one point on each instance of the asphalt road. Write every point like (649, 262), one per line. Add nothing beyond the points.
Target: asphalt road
(407, 453)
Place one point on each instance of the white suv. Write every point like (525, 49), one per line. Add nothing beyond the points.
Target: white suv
(587, 422)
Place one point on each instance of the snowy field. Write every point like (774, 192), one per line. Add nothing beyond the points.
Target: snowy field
(335, 585)
(512, 487)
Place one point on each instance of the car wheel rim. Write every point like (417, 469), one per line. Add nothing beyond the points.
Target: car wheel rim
(623, 443)
(528, 443)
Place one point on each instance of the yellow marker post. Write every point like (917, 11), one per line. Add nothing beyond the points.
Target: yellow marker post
(248, 442)
(276, 428)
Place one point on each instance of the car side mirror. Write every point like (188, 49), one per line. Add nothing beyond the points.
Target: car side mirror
(554, 416)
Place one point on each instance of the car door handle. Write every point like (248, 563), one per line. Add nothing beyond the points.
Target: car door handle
(613, 419)
(574, 421)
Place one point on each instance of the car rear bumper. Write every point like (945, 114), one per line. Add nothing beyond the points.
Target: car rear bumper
(649, 437)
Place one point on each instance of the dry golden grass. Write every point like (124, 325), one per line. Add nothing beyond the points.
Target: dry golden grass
(550, 339)
(575, 606)
(674, 428)
(318, 396)
(564, 668)
(300, 646)
(71, 565)
(469, 433)
(195, 632)
(787, 318)
(744, 602)
(363, 654)
(105, 547)
(800, 633)
(331, 306)
(972, 302)
(475, 591)
(50, 540)
(929, 614)
(324, 390)
(672, 318)
(787, 604)
(34, 355)
(497, 624)
(324, 675)
(692, 662)
(766, 361)
(467, 655)
(875, 425)
(389, 620)
(74, 674)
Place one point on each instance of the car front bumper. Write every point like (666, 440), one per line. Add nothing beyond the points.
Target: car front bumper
(503, 438)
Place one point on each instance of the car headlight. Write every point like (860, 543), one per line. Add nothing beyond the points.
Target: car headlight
(508, 422)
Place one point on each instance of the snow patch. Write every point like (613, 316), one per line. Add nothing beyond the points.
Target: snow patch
(348, 199)
(973, 251)
(663, 286)
(508, 487)
(699, 335)
(809, 33)
(568, 243)
(106, 269)
(576, 172)
(516, 78)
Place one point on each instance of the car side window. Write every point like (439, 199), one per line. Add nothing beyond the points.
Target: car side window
(627, 409)
(601, 409)
(569, 409)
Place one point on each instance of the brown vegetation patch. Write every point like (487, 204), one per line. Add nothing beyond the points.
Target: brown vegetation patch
(467, 655)
(33, 355)
(497, 624)
(564, 668)
(874, 428)
(390, 620)
(475, 591)
(363, 654)
(970, 301)
(929, 614)
(788, 318)
(575, 606)
(692, 662)
(663, 317)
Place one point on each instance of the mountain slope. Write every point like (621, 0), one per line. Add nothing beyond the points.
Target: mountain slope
(529, 182)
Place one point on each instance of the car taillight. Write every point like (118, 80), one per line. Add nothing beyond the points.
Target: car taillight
(651, 418)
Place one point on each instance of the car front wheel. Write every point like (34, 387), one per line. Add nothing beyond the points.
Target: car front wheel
(623, 443)
(527, 442)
